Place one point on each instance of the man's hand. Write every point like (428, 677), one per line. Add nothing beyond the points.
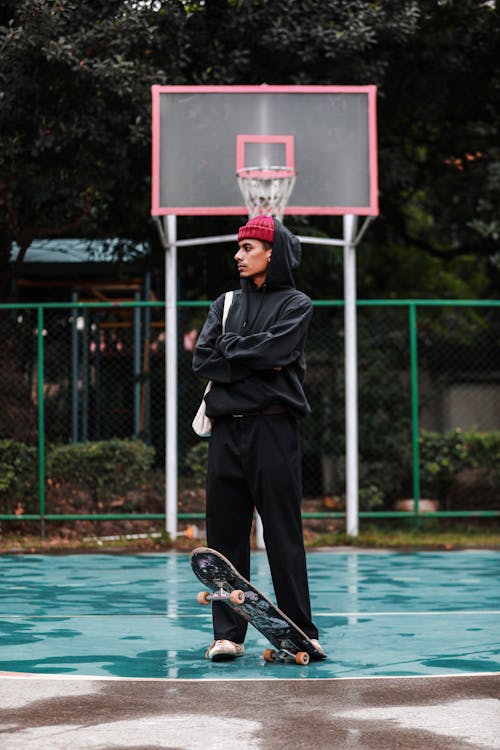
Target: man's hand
(278, 369)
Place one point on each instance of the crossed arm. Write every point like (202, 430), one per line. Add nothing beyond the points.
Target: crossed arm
(229, 357)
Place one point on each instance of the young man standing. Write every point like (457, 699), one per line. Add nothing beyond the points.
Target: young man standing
(257, 367)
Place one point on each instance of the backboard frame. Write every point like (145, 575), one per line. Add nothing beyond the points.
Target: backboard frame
(369, 208)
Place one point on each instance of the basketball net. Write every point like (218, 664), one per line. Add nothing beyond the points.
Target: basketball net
(266, 191)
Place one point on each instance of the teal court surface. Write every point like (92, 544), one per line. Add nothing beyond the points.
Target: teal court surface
(106, 651)
(379, 614)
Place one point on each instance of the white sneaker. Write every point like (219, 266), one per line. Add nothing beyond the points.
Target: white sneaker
(224, 651)
(317, 645)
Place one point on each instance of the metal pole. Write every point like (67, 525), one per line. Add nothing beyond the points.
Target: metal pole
(97, 376)
(74, 371)
(351, 378)
(170, 229)
(41, 421)
(85, 376)
(146, 385)
(414, 410)
(137, 365)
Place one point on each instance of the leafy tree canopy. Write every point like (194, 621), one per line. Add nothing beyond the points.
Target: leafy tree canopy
(75, 83)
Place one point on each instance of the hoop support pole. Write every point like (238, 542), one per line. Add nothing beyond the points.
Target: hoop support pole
(351, 376)
(167, 229)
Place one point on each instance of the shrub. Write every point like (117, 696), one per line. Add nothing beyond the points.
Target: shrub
(98, 472)
(461, 469)
(196, 463)
(105, 468)
(18, 475)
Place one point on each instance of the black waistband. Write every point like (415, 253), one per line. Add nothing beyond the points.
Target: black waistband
(272, 409)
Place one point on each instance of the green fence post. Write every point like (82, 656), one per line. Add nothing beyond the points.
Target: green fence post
(41, 424)
(414, 409)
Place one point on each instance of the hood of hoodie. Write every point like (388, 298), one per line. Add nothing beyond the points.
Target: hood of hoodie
(254, 383)
(285, 258)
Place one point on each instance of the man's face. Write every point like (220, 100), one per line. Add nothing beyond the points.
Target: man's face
(252, 259)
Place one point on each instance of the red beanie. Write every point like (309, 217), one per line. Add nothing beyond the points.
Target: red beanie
(258, 228)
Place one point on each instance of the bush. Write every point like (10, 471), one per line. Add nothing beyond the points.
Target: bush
(18, 475)
(105, 469)
(196, 463)
(461, 469)
(83, 474)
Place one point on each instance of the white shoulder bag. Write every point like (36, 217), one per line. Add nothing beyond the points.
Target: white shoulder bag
(202, 424)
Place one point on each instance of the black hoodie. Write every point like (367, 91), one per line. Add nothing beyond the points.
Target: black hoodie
(266, 328)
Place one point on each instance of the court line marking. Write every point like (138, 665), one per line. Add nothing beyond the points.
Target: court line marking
(203, 615)
(100, 678)
(420, 613)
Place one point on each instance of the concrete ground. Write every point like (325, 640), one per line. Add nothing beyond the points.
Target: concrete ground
(79, 713)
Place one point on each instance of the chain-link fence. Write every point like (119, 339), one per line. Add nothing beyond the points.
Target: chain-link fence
(429, 407)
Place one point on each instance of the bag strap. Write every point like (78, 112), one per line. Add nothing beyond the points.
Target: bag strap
(228, 300)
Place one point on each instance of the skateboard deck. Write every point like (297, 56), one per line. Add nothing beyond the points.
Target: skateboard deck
(226, 585)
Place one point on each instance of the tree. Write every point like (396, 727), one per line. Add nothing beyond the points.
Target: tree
(434, 63)
(75, 120)
(440, 153)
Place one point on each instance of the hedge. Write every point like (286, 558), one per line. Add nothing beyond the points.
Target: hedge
(97, 471)
(459, 469)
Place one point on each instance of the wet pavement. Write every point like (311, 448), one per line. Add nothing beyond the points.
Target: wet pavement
(441, 713)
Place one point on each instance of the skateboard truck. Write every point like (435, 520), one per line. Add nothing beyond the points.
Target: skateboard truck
(236, 596)
(286, 654)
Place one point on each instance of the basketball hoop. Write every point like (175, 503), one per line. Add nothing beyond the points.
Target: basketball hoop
(266, 191)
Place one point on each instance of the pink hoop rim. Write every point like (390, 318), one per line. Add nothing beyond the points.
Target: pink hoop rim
(269, 173)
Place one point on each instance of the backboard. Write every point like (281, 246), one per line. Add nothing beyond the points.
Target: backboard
(204, 136)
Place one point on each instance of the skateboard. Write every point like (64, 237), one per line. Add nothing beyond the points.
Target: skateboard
(228, 586)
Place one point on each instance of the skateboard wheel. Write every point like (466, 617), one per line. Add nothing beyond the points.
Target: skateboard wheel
(203, 597)
(269, 655)
(302, 658)
(237, 597)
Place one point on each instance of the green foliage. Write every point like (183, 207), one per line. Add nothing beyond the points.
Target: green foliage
(18, 471)
(75, 83)
(75, 87)
(370, 497)
(462, 469)
(196, 463)
(455, 466)
(441, 455)
(104, 468)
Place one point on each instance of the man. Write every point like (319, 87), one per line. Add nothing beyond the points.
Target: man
(257, 367)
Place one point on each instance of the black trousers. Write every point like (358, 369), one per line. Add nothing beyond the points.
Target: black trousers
(256, 462)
